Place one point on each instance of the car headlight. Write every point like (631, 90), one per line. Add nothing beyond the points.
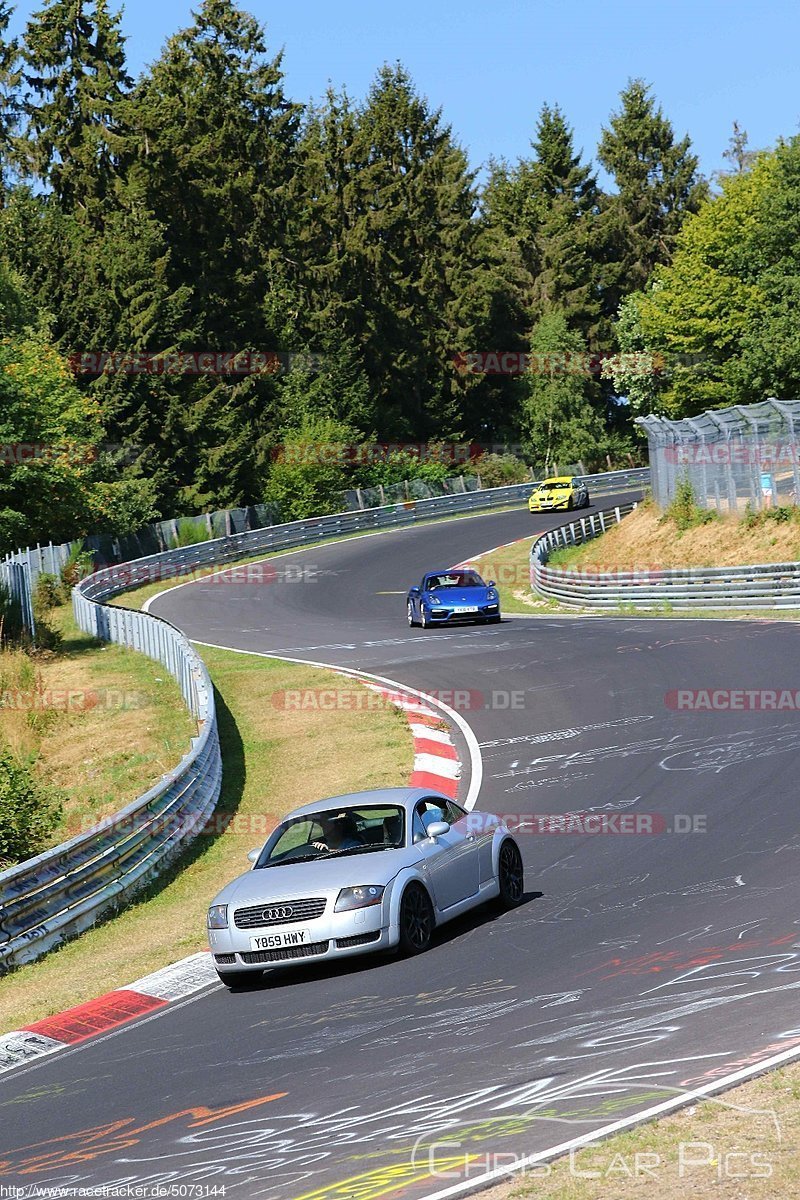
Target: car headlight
(362, 896)
(491, 594)
(218, 916)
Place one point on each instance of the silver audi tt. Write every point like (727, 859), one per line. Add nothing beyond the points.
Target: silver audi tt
(370, 871)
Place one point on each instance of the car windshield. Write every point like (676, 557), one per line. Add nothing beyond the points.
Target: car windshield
(454, 579)
(335, 832)
(553, 483)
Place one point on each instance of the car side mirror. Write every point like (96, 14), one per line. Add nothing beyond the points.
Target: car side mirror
(437, 829)
(491, 583)
(413, 590)
(252, 855)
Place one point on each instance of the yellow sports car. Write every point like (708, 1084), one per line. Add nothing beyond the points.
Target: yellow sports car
(563, 491)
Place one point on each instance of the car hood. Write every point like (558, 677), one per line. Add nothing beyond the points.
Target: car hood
(318, 878)
(459, 595)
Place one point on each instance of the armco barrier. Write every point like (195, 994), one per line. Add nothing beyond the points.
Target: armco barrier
(222, 551)
(770, 585)
(64, 891)
(15, 576)
(51, 558)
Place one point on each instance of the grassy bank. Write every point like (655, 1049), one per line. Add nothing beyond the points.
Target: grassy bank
(275, 758)
(648, 539)
(100, 724)
(740, 1146)
(509, 567)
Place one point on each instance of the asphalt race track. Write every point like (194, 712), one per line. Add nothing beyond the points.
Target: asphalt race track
(641, 964)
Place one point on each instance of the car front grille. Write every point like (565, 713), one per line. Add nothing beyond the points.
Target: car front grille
(268, 956)
(278, 912)
(360, 939)
(225, 960)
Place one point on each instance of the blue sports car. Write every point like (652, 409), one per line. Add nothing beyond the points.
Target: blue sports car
(457, 594)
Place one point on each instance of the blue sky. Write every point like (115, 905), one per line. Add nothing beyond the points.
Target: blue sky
(490, 66)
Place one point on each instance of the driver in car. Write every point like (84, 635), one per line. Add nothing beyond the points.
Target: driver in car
(338, 833)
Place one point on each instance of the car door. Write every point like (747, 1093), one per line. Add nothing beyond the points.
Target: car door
(420, 594)
(451, 860)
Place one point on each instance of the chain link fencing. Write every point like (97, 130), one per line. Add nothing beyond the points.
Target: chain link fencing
(745, 455)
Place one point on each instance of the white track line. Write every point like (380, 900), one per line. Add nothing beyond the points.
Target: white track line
(708, 1089)
(476, 760)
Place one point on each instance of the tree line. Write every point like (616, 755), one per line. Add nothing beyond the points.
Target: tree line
(199, 208)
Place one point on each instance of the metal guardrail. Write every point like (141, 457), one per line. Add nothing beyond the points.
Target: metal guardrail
(65, 890)
(15, 576)
(222, 551)
(767, 585)
(62, 892)
(19, 571)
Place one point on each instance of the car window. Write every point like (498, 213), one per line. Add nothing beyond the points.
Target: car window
(430, 810)
(454, 579)
(339, 830)
(454, 813)
(418, 833)
(433, 809)
(294, 836)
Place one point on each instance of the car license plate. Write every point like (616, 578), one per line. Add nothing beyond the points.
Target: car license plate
(277, 941)
(469, 608)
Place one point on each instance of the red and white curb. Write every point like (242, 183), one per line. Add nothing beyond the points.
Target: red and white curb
(436, 766)
(436, 762)
(144, 996)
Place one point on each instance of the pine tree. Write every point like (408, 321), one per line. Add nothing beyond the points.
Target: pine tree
(325, 212)
(546, 208)
(389, 246)
(76, 80)
(657, 185)
(567, 199)
(414, 238)
(212, 157)
(10, 78)
(543, 227)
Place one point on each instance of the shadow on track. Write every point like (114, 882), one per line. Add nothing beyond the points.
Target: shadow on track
(460, 927)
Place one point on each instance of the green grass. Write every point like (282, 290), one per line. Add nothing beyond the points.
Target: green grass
(122, 728)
